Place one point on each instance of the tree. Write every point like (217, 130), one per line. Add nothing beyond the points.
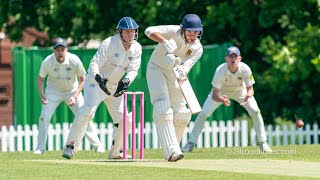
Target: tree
(278, 39)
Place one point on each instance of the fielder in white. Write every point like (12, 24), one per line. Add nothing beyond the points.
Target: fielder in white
(177, 45)
(63, 70)
(232, 80)
(117, 55)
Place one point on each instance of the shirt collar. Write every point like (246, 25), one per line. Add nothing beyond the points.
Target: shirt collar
(237, 72)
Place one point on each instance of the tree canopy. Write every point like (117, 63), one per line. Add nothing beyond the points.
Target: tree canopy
(280, 40)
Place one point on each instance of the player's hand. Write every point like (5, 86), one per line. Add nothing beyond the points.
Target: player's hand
(172, 60)
(72, 100)
(122, 87)
(225, 100)
(170, 45)
(177, 61)
(182, 76)
(102, 83)
(245, 101)
(44, 99)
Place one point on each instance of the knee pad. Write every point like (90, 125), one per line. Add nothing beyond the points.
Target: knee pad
(162, 111)
(182, 117)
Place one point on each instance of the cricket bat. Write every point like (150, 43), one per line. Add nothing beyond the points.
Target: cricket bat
(187, 90)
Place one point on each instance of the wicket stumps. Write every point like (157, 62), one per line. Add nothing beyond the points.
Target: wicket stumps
(133, 132)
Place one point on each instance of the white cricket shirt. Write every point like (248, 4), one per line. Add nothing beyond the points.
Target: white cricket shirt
(62, 78)
(226, 81)
(113, 61)
(188, 53)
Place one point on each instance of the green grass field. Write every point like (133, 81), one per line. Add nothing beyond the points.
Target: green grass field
(286, 162)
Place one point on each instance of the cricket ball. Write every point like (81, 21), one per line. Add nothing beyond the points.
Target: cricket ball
(299, 123)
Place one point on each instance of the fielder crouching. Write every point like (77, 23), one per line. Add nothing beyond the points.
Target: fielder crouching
(232, 80)
(117, 55)
(65, 78)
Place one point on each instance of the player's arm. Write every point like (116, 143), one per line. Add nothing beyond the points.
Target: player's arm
(134, 67)
(157, 37)
(73, 99)
(162, 34)
(132, 73)
(190, 62)
(216, 97)
(250, 93)
(98, 61)
(248, 81)
(80, 87)
(40, 85)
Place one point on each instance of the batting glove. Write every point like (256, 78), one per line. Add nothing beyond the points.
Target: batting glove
(172, 60)
(170, 45)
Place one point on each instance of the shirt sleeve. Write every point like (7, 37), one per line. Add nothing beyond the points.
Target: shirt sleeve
(190, 62)
(248, 77)
(99, 58)
(217, 79)
(134, 66)
(80, 69)
(43, 69)
(166, 31)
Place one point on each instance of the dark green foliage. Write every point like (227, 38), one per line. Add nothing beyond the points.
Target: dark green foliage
(278, 39)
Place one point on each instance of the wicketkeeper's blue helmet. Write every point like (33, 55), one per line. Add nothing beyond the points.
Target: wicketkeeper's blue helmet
(127, 23)
(191, 22)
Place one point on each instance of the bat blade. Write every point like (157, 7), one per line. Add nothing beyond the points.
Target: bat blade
(187, 91)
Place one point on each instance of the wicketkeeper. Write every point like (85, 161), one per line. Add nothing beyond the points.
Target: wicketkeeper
(232, 80)
(117, 55)
(177, 45)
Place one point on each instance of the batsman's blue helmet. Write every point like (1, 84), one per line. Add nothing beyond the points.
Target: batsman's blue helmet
(127, 23)
(191, 22)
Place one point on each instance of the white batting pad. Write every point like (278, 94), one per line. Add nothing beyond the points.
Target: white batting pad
(167, 138)
(180, 121)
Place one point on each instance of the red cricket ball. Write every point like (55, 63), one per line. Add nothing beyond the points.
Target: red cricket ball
(299, 123)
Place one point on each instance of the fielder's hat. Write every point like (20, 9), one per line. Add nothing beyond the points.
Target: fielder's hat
(59, 42)
(233, 50)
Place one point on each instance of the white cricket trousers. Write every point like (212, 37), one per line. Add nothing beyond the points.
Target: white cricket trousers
(47, 112)
(210, 106)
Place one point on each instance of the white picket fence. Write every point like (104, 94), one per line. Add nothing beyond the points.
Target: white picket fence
(215, 134)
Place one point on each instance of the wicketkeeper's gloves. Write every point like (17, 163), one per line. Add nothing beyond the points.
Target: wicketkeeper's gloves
(122, 87)
(102, 83)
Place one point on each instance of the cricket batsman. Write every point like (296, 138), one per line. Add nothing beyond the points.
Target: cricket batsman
(177, 46)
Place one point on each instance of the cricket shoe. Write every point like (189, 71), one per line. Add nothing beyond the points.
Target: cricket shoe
(188, 147)
(264, 147)
(119, 155)
(38, 151)
(176, 157)
(68, 152)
